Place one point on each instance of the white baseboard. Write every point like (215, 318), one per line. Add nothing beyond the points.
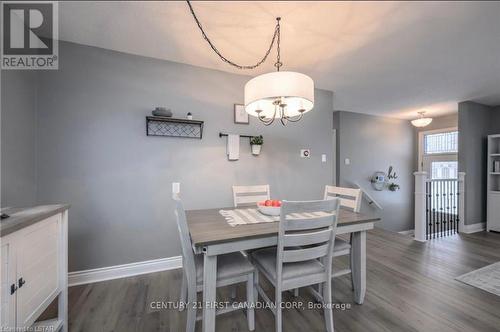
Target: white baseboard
(123, 271)
(410, 232)
(473, 228)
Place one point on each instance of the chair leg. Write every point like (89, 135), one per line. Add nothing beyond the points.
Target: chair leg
(320, 288)
(327, 301)
(256, 283)
(251, 302)
(183, 291)
(351, 263)
(191, 311)
(277, 301)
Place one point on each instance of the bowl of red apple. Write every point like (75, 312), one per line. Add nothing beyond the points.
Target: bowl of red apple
(270, 207)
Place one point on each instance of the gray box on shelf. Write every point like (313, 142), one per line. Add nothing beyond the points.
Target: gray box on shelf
(162, 111)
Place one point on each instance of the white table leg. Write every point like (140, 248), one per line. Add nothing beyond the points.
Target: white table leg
(63, 274)
(209, 287)
(359, 266)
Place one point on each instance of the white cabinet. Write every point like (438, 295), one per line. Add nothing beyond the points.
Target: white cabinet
(8, 278)
(34, 273)
(493, 183)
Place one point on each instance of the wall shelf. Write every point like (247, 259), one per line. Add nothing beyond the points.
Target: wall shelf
(173, 127)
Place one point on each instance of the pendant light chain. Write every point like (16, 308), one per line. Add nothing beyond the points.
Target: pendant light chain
(276, 38)
(278, 63)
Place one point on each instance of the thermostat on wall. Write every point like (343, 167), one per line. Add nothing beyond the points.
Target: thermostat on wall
(305, 153)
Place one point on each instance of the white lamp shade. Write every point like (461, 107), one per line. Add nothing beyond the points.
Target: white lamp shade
(296, 90)
(421, 122)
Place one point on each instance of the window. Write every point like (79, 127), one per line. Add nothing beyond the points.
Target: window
(440, 143)
(438, 153)
(444, 170)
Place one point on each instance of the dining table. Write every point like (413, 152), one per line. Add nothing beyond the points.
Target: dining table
(212, 235)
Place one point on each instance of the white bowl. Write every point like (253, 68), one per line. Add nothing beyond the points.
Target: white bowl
(269, 210)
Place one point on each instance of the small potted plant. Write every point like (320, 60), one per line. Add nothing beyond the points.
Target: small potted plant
(256, 143)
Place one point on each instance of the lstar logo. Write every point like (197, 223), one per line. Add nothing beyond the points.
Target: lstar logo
(30, 35)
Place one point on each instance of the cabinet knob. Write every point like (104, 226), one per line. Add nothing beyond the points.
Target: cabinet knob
(21, 282)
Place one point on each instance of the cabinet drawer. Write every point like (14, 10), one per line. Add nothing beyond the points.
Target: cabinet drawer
(38, 266)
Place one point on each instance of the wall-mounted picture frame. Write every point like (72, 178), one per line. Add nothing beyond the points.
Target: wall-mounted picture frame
(240, 115)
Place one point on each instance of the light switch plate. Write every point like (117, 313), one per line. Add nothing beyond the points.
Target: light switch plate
(347, 161)
(323, 158)
(176, 187)
(305, 153)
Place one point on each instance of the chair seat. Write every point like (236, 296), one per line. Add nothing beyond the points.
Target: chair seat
(340, 245)
(228, 266)
(266, 259)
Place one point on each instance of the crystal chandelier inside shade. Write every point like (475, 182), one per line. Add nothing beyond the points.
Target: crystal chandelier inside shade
(268, 92)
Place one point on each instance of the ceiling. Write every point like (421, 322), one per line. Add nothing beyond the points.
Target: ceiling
(384, 58)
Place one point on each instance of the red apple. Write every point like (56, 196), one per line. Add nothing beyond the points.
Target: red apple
(268, 203)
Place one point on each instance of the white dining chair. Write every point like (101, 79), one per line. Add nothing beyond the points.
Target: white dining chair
(250, 195)
(349, 198)
(232, 269)
(303, 256)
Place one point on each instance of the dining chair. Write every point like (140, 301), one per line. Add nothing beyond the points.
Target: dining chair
(250, 195)
(349, 198)
(303, 256)
(233, 268)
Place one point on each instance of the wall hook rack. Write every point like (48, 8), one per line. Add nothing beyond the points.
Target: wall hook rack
(246, 136)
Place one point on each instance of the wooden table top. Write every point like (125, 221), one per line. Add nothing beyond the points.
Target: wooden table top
(209, 226)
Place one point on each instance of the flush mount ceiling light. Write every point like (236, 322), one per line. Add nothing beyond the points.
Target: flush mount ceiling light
(422, 121)
(283, 95)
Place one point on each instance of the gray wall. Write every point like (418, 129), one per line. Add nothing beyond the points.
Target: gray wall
(95, 155)
(373, 144)
(18, 138)
(475, 123)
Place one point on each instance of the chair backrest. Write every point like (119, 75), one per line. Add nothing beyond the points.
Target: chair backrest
(307, 231)
(250, 195)
(188, 263)
(349, 197)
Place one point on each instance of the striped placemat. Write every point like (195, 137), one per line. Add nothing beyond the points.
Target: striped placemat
(253, 216)
(246, 216)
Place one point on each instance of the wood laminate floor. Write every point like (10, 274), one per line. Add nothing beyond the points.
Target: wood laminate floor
(411, 287)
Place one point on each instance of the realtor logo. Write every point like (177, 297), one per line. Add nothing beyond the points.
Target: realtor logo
(30, 35)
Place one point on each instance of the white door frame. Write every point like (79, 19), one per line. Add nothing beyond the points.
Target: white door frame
(334, 157)
(421, 135)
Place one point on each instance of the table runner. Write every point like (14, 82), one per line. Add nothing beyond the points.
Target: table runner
(253, 216)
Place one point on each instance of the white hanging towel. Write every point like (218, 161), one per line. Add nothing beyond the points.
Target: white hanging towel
(233, 147)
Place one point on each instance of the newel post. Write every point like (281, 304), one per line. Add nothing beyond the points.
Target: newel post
(420, 206)
(461, 201)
